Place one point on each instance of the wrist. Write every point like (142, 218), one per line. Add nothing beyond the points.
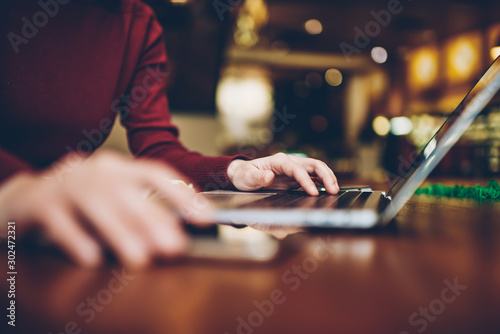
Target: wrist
(11, 192)
(232, 169)
(14, 182)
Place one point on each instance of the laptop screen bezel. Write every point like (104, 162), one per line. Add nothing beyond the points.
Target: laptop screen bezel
(449, 133)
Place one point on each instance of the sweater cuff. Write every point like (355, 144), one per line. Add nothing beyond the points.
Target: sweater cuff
(217, 178)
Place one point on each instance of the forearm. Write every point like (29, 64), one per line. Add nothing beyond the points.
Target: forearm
(149, 129)
(9, 189)
(207, 172)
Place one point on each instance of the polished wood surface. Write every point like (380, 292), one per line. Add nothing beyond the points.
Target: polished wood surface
(436, 269)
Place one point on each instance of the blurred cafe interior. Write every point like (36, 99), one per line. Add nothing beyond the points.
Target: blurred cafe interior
(362, 85)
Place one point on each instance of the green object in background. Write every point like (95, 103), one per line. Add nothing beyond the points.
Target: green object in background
(479, 193)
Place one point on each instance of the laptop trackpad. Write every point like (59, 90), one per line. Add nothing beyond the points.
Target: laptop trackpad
(225, 199)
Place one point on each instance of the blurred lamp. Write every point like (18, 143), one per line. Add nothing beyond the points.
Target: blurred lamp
(401, 126)
(252, 16)
(246, 38)
(424, 68)
(246, 98)
(462, 59)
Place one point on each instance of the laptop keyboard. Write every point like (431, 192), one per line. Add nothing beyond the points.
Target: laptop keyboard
(297, 200)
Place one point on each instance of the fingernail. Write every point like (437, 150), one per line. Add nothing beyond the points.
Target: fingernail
(314, 190)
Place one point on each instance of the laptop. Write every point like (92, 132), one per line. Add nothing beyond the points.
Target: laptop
(360, 208)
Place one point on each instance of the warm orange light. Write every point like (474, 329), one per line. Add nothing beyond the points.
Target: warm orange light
(333, 77)
(252, 17)
(381, 125)
(462, 58)
(313, 27)
(423, 68)
(495, 52)
(493, 39)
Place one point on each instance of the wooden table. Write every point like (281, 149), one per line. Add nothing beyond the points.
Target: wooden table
(435, 270)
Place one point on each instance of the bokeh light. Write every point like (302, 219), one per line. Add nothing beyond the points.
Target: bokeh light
(333, 77)
(381, 125)
(314, 79)
(379, 54)
(401, 126)
(319, 123)
(424, 68)
(462, 58)
(245, 97)
(313, 27)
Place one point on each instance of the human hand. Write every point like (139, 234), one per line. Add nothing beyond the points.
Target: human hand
(101, 204)
(282, 172)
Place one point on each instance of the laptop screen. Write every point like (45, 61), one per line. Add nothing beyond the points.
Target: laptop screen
(447, 135)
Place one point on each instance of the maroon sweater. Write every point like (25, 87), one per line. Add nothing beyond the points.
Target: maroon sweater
(68, 68)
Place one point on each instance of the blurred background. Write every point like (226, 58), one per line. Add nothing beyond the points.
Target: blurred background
(362, 85)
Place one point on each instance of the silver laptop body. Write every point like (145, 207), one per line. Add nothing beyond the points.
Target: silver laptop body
(362, 208)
